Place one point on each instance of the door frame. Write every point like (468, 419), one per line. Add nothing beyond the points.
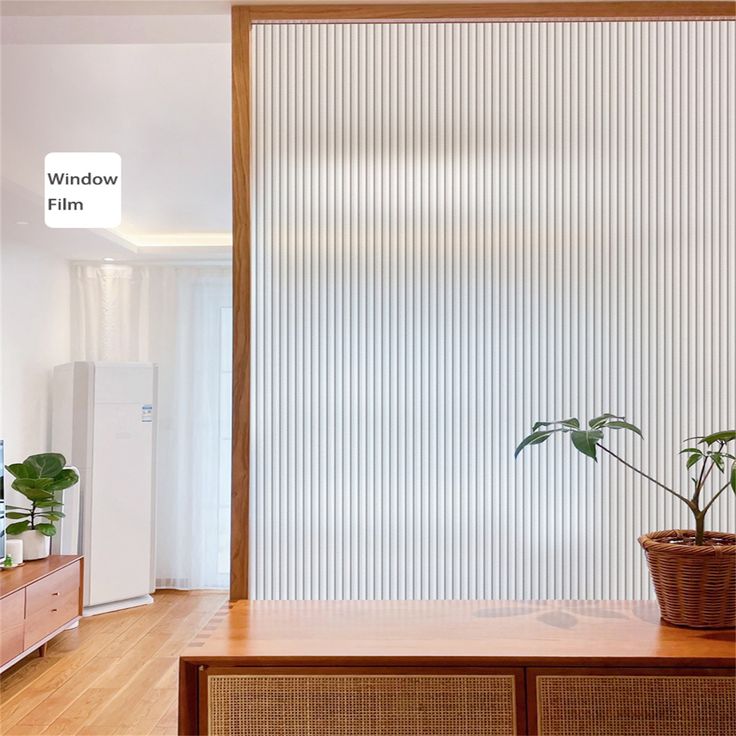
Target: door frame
(243, 18)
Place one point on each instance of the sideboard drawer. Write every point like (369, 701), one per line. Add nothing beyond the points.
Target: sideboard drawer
(41, 623)
(44, 594)
(51, 602)
(11, 631)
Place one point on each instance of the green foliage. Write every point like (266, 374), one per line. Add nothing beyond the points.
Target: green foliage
(713, 455)
(39, 478)
(726, 436)
(584, 440)
(19, 527)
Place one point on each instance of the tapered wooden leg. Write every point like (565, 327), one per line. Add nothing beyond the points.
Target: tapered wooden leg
(42, 650)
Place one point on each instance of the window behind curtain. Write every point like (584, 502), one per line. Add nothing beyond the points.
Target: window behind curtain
(180, 318)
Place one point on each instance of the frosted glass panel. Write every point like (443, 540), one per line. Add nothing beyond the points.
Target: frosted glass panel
(459, 229)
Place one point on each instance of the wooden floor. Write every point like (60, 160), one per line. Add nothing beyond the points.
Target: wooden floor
(115, 674)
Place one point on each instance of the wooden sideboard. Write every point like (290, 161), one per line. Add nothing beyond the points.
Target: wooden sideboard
(38, 600)
(477, 668)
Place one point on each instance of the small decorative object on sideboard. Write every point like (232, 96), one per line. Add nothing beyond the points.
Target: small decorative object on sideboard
(39, 478)
(13, 553)
(693, 571)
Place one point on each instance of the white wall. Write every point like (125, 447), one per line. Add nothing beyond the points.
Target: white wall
(35, 314)
(460, 229)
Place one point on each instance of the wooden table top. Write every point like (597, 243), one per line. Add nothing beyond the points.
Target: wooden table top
(460, 632)
(19, 577)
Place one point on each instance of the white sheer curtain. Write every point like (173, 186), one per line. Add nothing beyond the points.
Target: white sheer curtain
(179, 318)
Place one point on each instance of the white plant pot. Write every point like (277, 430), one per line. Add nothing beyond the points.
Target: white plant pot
(36, 546)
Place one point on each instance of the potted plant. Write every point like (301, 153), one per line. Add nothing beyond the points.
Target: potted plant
(39, 478)
(693, 571)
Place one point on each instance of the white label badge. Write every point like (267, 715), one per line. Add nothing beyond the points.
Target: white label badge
(147, 413)
(82, 190)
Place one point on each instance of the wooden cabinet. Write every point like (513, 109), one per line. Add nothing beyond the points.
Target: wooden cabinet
(37, 601)
(442, 701)
(470, 668)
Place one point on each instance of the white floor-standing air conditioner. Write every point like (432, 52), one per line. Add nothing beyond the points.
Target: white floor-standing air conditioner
(104, 422)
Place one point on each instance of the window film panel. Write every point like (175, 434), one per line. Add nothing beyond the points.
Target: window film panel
(459, 229)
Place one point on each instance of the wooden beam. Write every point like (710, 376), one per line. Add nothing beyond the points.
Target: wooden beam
(633, 10)
(240, 489)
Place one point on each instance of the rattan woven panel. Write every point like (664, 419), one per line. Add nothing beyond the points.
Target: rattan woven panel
(392, 705)
(636, 705)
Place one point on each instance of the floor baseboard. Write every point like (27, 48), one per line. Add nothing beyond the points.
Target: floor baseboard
(141, 600)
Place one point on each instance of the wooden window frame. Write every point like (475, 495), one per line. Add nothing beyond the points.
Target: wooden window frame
(243, 18)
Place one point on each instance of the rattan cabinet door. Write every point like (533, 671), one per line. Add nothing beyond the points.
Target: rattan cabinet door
(632, 702)
(246, 703)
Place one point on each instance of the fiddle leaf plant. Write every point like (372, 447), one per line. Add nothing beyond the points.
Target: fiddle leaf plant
(707, 454)
(39, 478)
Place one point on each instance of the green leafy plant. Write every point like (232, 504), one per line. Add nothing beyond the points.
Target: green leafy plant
(708, 453)
(39, 478)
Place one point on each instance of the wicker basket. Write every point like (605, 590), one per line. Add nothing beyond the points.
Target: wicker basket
(695, 586)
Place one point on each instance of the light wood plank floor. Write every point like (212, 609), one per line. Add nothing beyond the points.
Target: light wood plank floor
(115, 674)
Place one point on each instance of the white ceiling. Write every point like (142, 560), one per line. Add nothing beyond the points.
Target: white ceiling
(151, 86)
(148, 79)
